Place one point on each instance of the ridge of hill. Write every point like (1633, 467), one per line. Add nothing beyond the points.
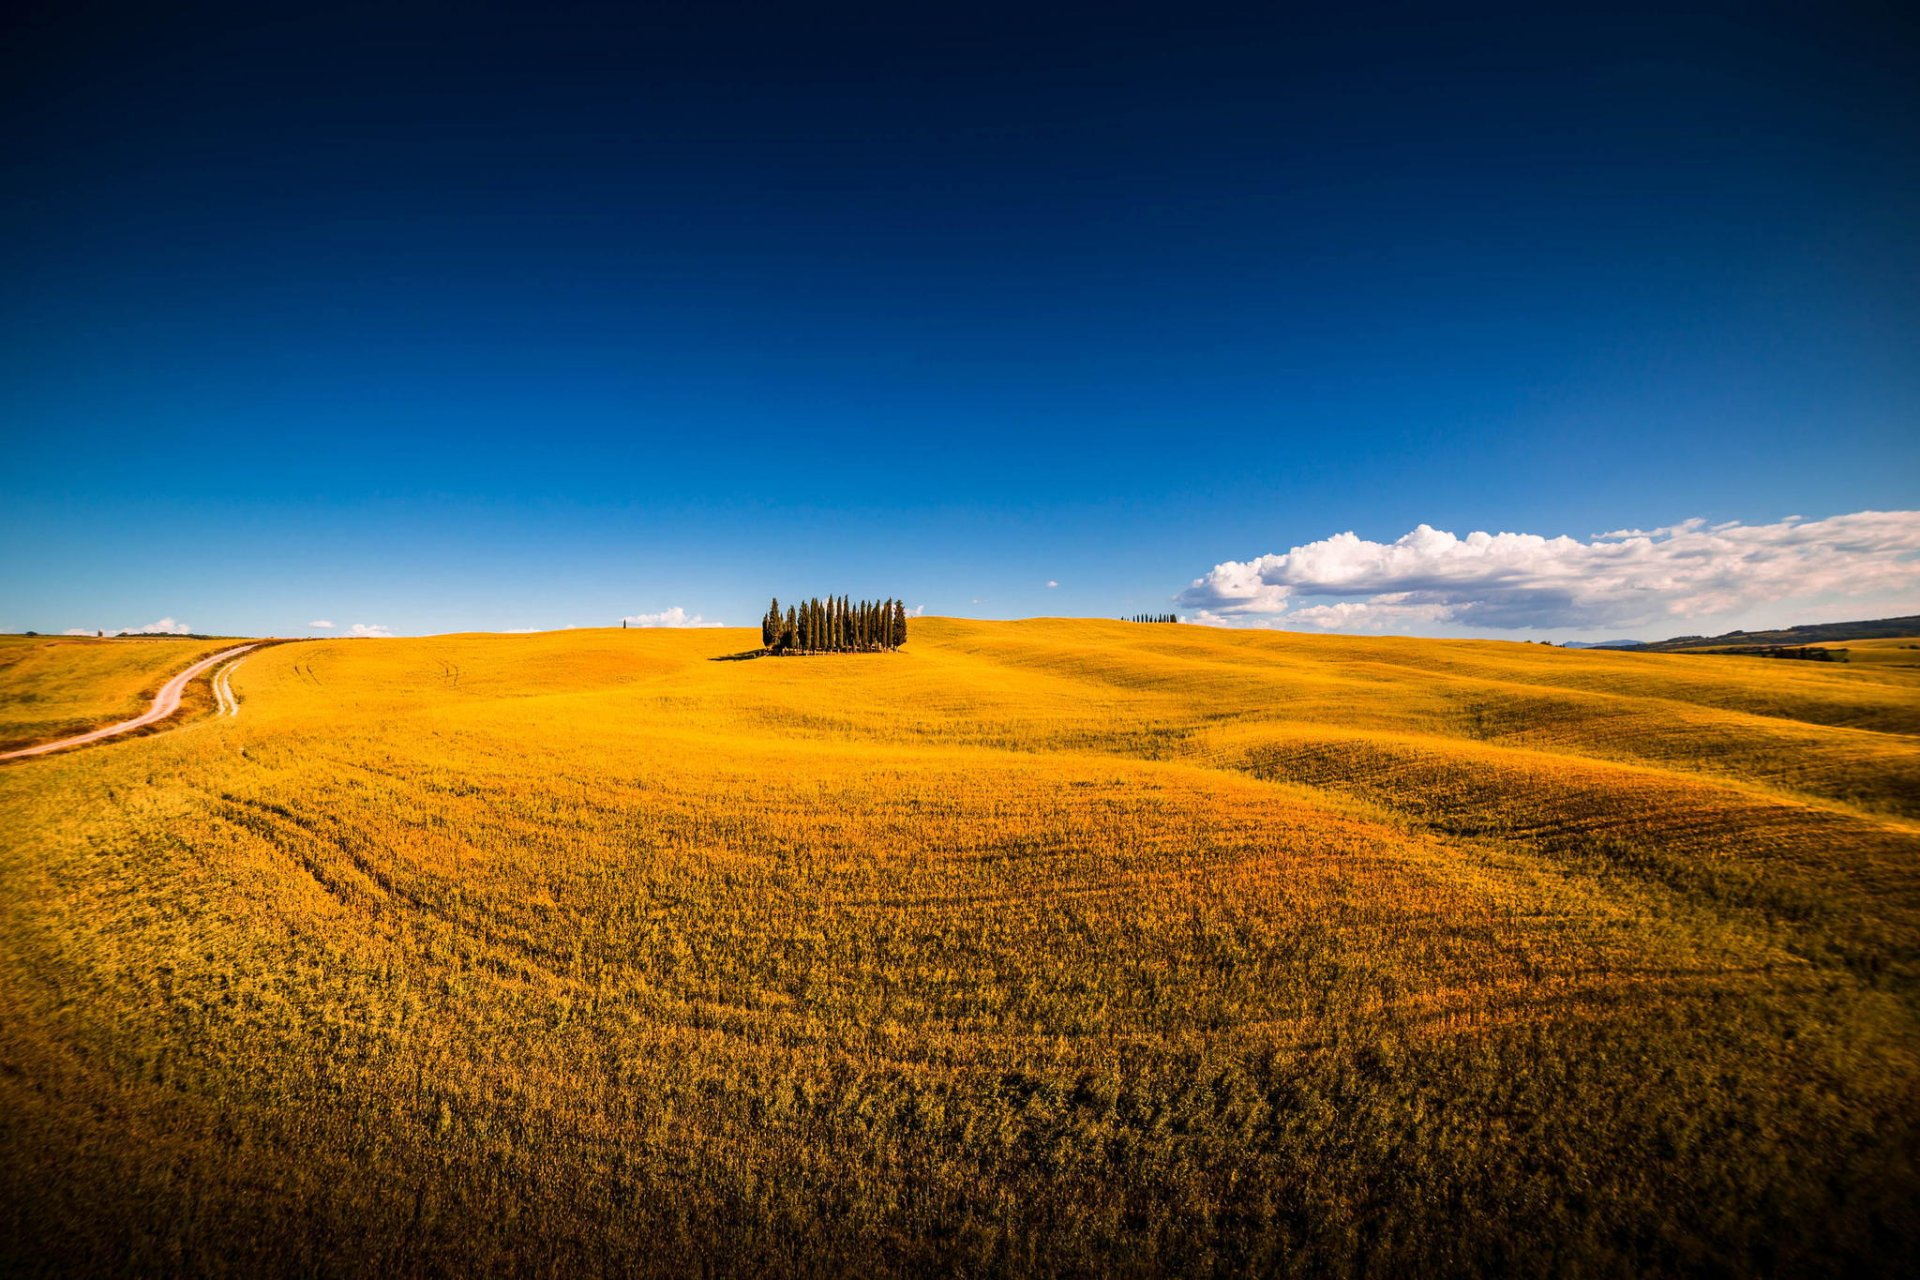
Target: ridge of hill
(1810, 633)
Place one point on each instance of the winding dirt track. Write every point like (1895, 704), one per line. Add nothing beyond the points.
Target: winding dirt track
(165, 703)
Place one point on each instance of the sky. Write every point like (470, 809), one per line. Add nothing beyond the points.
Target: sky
(1538, 322)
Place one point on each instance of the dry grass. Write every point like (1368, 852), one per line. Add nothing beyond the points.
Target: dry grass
(51, 687)
(1071, 947)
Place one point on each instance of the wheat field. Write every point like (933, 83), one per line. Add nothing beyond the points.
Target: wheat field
(51, 687)
(1053, 947)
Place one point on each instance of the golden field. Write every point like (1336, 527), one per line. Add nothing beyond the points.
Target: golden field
(55, 686)
(1062, 947)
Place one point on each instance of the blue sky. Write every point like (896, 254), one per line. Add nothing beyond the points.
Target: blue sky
(427, 319)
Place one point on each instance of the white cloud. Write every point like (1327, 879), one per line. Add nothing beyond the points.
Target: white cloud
(674, 617)
(368, 631)
(164, 627)
(1051, 584)
(1627, 578)
(320, 624)
(918, 611)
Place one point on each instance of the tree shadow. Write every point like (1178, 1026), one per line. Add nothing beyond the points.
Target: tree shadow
(745, 655)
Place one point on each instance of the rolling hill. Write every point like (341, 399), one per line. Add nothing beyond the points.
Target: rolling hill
(1060, 946)
(1811, 633)
(54, 686)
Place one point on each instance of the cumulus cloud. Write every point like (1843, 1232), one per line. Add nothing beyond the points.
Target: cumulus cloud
(164, 627)
(1051, 583)
(320, 624)
(368, 631)
(918, 611)
(1507, 581)
(674, 617)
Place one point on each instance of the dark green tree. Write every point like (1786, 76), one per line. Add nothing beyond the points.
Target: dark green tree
(835, 624)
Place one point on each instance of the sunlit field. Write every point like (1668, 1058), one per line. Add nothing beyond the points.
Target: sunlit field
(1065, 947)
(51, 687)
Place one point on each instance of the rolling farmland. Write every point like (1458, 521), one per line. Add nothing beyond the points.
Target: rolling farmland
(54, 686)
(1072, 947)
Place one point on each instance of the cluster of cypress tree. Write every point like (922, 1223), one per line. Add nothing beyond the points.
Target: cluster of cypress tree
(1153, 617)
(834, 625)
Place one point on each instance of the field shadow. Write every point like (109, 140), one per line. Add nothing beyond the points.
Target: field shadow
(745, 655)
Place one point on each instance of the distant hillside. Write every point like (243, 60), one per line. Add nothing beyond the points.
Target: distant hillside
(1816, 633)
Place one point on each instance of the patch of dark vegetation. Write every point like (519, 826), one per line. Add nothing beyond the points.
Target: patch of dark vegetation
(834, 625)
(1802, 653)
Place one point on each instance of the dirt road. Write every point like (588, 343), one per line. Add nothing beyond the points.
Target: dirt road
(165, 703)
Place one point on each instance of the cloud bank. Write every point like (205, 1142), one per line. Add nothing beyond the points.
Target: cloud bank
(674, 617)
(1513, 581)
(164, 627)
(368, 631)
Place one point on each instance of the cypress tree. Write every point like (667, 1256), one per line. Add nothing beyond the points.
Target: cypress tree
(839, 624)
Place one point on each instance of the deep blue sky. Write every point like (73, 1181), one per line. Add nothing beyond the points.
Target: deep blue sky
(447, 317)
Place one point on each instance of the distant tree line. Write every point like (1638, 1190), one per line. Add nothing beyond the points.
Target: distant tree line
(834, 625)
(1152, 617)
(1802, 653)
